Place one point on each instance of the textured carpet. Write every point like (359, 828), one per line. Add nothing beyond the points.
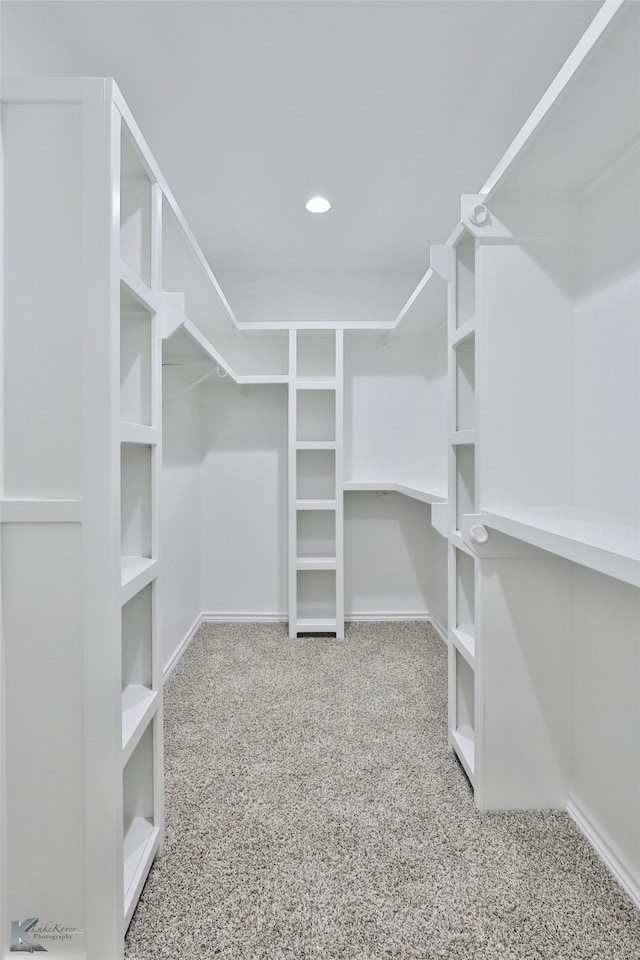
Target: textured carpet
(313, 810)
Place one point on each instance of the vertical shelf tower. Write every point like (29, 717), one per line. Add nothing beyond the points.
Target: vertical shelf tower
(316, 516)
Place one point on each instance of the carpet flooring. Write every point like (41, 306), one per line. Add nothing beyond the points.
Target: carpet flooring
(314, 811)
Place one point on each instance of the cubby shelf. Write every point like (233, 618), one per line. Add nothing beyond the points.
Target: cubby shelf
(464, 743)
(315, 445)
(423, 494)
(139, 433)
(137, 288)
(140, 845)
(303, 383)
(316, 563)
(138, 706)
(136, 573)
(464, 640)
(461, 437)
(315, 504)
(317, 625)
(602, 542)
(463, 333)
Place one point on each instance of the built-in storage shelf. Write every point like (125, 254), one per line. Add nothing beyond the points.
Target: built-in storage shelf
(602, 542)
(316, 563)
(316, 594)
(424, 494)
(140, 833)
(315, 535)
(317, 625)
(316, 474)
(136, 500)
(316, 415)
(136, 331)
(136, 433)
(316, 355)
(315, 445)
(135, 290)
(463, 731)
(465, 332)
(464, 744)
(465, 482)
(465, 374)
(465, 642)
(315, 504)
(138, 706)
(303, 383)
(136, 573)
(465, 594)
(465, 281)
(462, 437)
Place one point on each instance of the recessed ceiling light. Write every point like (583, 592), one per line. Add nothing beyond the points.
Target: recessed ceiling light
(318, 205)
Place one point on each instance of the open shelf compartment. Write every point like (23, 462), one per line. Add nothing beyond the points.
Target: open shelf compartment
(316, 534)
(136, 328)
(315, 474)
(136, 507)
(135, 212)
(317, 596)
(316, 355)
(140, 831)
(465, 461)
(465, 281)
(316, 415)
(463, 730)
(465, 384)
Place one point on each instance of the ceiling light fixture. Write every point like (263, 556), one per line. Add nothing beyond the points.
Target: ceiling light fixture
(318, 205)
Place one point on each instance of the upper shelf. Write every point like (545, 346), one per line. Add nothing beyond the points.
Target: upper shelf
(416, 493)
(589, 116)
(602, 542)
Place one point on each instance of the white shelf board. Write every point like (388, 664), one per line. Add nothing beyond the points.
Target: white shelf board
(136, 573)
(455, 538)
(416, 493)
(313, 383)
(463, 639)
(464, 745)
(139, 704)
(140, 845)
(316, 563)
(139, 433)
(307, 625)
(137, 288)
(602, 542)
(315, 445)
(461, 437)
(315, 504)
(467, 330)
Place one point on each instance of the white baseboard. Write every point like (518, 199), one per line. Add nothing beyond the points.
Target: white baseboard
(182, 646)
(613, 859)
(244, 617)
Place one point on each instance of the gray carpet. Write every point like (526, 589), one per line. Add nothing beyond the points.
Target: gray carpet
(314, 811)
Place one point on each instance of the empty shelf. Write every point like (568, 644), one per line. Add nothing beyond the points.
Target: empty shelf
(136, 573)
(138, 706)
(303, 383)
(140, 845)
(464, 640)
(464, 744)
(602, 542)
(315, 504)
(306, 625)
(316, 563)
(416, 493)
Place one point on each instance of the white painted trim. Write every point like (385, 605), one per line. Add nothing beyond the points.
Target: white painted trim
(613, 859)
(173, 660)
(245, 617)
(283, 617)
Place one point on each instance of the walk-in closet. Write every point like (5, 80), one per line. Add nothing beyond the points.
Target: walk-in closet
(320, 528)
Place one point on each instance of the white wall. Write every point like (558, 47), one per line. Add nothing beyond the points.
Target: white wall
(179, 584)
(396, 409)
(244, 499)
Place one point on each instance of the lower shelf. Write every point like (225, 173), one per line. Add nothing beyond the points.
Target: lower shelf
(464, 745)
(140, 846)
(138, 705)
(307, 625)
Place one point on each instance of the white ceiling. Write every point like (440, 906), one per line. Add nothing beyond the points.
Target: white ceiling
(390, 109)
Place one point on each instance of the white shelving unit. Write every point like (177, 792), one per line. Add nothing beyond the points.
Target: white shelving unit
(316, 571)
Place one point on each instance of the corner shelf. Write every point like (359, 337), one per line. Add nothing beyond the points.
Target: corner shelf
(416, 493)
